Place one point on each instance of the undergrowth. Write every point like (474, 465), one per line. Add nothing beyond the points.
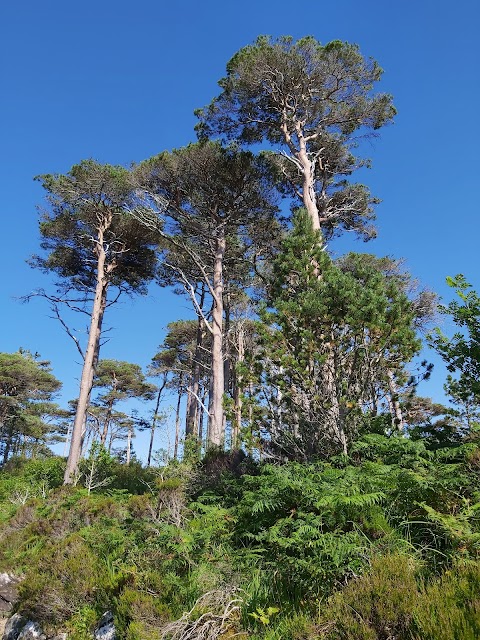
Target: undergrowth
(382, 545)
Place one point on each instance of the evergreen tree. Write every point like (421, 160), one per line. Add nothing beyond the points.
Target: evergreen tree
(330, 334)
(121, 381)
(94, 247)
(461, 352)
(310, 102)
(214, 200)
(27, 387)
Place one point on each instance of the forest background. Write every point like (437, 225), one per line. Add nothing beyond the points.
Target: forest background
(119, 82)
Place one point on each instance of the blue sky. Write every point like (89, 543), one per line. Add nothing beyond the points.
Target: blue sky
(118, 81)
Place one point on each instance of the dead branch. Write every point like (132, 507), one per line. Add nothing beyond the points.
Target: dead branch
(222, 610)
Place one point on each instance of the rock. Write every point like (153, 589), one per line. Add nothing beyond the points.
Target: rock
(8, 592)
(19, 628)
(13, 627)
(32, 631)
(106, 628)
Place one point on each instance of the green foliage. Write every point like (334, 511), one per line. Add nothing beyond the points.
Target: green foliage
(334, 334)
(27, 388)
(324, 98)
(82, 623)
(139, 614)
(393, 601)
(378, 605)
(356, 528)
(461, 353)
(449, 608)
(91, 202)
(64, 579)
(95, 470)
(393, 526)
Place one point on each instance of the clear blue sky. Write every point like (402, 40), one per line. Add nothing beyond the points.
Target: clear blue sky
(118, 81)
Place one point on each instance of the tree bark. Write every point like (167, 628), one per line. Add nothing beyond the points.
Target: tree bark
(154, 420)
(216, 433)
(306, 166)
(308, 187)
(191, 427)
(91, 355)
(333, 414)
(394, 403)
(129, 444)
(238, 391)
(201, 417)
(177, 418)
(106, 423)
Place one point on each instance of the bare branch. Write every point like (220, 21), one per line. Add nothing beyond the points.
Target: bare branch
(56, 311)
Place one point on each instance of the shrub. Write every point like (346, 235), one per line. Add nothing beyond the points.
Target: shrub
(140, 615)
(377, 606)
(449, 607)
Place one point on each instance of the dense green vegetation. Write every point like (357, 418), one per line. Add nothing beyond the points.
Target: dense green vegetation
(383, 542)
(311, 493)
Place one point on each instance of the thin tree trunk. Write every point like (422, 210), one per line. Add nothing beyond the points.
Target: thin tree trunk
(191, 427)
(129, 444)
(394, 403)
(334, 417)
(91, 354)
(177, 418)
(154, 420)
(106, 423)
(201, 416)
(250, 416)
(237, 398)
(216, 434)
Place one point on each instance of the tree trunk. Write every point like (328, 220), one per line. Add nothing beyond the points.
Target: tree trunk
(201, 417)
(91, 355)
(106, 423)
(154, 420)
(334, 416)
(238, 391)
(191, 427)
(394, 403)
(129, 444)
(216, 433)
(177, 418)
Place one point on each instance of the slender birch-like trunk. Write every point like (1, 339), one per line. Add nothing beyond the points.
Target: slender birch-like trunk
(129, 444)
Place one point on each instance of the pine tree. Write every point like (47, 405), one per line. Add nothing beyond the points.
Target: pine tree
(310, 102)
(214, 200)
(329, 334)
(94, 247)
(27, 388)
(121, 381)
